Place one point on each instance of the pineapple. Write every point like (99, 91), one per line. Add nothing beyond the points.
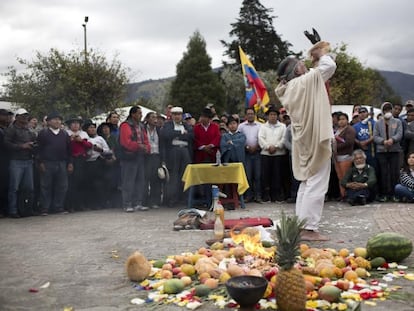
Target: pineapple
(290, 289)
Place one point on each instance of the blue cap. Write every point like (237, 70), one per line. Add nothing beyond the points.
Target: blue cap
(187, 116)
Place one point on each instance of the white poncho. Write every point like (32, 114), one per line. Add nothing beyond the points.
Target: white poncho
(306, 100)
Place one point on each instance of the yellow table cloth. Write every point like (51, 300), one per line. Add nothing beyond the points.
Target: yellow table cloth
(207, 173)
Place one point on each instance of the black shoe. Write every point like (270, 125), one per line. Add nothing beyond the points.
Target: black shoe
(291, 200)
(351, 202)
(364, 201)
(14, 215)
(258, 200)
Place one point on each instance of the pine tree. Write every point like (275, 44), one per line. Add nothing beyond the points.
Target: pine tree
(196, 84)
(255, 33)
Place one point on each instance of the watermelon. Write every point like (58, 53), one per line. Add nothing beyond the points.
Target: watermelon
(389, 245)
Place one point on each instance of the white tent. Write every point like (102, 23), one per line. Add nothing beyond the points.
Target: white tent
(123, 113)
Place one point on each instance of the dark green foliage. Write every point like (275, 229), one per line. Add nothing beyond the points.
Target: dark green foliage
(355, 84)
(196, 84)
(67, 83)
(255, 33)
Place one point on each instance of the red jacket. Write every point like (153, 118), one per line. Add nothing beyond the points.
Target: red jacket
(203, 137)
(127, 140)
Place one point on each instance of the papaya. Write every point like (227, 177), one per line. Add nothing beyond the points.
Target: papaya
(202, 290)
(329, 293)
(173, 286)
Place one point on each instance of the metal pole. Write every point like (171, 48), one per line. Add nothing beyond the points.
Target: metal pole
(84, 36)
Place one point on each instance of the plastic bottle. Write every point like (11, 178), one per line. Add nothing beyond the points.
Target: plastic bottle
(218, 157)
(218, 210)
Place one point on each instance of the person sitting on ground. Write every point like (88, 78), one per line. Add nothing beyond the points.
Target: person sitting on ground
(360, 180)
(405, 189)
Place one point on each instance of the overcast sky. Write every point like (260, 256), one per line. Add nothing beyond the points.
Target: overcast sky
(150, 36)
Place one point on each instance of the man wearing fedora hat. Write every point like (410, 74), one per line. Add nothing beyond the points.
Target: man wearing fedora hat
(80, 146)
(55, 164)
(271, 141)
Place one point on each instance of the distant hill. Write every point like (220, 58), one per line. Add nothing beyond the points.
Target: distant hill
(156, 90)
(401, 83)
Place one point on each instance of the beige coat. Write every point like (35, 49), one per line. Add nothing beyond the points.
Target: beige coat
(306, 100)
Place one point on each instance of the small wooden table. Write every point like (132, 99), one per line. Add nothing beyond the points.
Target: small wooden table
(208, 173)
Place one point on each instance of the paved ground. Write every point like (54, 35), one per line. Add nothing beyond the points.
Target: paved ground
(75, 252)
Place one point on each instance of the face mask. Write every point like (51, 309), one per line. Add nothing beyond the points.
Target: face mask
(388, 115)
(360, 166)
(365, 121)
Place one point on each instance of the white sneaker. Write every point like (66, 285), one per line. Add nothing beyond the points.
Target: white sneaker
(141, 208)
(129, 209)
(155, 206)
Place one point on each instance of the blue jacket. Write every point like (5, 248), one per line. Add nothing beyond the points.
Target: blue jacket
(232, 152)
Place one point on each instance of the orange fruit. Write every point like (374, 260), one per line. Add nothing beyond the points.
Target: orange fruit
(203, 276)
(344, 252)
(166, 274)
(351, 276)
(303, 247)
(211, 283)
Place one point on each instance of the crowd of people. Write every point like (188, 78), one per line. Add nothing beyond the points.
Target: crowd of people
(63, 166)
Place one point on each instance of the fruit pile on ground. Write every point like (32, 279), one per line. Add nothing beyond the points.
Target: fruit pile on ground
(335, 279)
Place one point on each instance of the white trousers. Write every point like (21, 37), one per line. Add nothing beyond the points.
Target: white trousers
(311, 197)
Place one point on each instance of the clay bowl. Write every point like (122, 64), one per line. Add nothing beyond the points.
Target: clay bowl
(247, 290)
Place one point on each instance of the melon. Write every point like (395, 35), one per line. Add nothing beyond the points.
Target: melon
(389, 245)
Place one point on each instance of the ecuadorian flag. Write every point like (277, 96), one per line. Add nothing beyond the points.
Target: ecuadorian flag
(256, 92)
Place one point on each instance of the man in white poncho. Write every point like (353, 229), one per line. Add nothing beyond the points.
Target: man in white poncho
(304, 95)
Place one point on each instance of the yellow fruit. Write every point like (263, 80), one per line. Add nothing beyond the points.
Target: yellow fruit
(339, 262)
(188, 269)
(361, 272)
(351, 276)
(203, 276)
(327, 272)
(268, 291)
(217, 246)
(186, 280)
(224, 277)
(360, 252)
(344, 252)
(338, 272)
(211, 283)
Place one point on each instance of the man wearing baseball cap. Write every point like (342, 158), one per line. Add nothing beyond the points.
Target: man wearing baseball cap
(20, 143)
